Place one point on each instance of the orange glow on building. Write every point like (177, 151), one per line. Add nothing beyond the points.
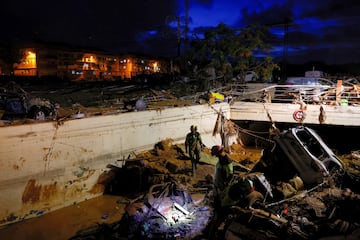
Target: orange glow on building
(80, 64)
(30, 59)
(27, 65)
(129, 68)
(88, 62)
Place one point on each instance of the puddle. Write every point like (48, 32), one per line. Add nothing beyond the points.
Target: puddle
(64, 223)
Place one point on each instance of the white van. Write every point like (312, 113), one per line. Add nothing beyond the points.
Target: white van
(251, 76)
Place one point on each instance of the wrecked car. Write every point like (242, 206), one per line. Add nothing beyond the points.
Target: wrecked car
(168, 211)
(299, 151)
(16, 103)
(306, 198)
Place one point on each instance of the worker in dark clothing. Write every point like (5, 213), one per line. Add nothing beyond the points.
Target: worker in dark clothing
(193, 146)
(241, 192)
(224, 170)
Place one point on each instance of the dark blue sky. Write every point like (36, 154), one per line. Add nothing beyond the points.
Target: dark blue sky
(326, 30)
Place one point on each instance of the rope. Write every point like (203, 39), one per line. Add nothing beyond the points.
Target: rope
(246, 131)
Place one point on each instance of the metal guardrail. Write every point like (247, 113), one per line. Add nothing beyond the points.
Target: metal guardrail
(309, 94)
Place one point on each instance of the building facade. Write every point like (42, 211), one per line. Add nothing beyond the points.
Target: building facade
(76, 64)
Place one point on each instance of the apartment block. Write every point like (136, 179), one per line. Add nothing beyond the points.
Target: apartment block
(76, 64)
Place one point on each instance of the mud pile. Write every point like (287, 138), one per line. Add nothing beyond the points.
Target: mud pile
(170, 203)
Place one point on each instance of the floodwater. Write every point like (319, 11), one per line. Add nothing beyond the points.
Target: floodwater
(65, 223)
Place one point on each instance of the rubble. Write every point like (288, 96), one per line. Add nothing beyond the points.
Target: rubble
(171, 204)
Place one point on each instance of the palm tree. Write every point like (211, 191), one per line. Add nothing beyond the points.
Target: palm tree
(231, 51)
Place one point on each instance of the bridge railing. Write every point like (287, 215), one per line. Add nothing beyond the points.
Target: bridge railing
(311, 94)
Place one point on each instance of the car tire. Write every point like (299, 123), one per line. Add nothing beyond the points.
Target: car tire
(37, 114)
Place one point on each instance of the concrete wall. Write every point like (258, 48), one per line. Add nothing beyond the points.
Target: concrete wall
(50, 165)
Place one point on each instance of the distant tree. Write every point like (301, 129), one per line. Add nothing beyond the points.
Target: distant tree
(232, 51)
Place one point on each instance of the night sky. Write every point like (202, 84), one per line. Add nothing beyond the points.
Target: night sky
(326, 30)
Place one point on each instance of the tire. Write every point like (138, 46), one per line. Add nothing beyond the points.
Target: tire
(37, 113)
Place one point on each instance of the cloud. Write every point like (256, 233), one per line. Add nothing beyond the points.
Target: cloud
(327, 27)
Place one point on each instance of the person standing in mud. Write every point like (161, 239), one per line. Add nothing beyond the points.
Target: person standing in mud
(224, 170)
(193, 146)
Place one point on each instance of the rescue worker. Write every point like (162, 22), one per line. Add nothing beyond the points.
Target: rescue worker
(224, 170)
(241, 192)
(193, 146)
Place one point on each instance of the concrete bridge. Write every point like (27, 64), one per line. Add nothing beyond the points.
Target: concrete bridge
(295, 113)
(296, 104)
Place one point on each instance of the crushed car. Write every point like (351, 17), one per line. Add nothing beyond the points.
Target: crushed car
(16, 103)
(299, 151)
(167, 211)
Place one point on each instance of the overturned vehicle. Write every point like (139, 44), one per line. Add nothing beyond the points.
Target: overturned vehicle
(299, 151)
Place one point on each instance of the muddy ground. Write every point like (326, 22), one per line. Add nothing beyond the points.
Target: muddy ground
(167, 161)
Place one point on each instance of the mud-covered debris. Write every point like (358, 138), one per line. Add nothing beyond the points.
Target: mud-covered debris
(311, 196)
(166, 211)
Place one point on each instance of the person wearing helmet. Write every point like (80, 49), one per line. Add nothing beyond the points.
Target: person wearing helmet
(224, 169)
(241, 192)
(193, 146)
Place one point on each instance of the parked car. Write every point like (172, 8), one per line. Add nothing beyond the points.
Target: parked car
(249, 76)
(307, 89)
(16, 103)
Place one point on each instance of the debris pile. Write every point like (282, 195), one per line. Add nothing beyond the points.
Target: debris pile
(276, 195)
(167, 211)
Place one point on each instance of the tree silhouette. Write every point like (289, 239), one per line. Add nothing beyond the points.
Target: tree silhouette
(231, 51)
